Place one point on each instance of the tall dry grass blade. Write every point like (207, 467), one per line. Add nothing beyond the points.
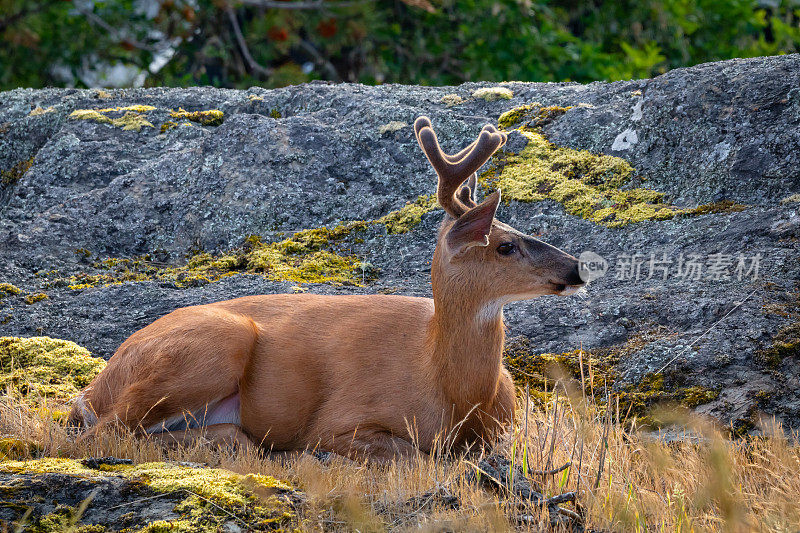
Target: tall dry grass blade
(583, 379)
(549, 463)
(603, 443)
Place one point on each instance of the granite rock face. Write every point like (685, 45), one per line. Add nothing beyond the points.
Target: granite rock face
(319, 154)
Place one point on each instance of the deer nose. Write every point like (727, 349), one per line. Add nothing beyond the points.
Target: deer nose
(574, 276)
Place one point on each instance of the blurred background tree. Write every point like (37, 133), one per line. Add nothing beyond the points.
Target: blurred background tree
(240, 43)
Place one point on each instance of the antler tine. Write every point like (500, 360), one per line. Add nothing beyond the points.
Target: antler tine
(424, 121)
(467, 192)
(451, 171)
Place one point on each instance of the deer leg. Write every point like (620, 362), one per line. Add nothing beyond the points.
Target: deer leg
(377, 446)
(222, 435)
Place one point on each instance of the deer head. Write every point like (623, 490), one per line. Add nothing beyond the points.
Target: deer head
(475, 252)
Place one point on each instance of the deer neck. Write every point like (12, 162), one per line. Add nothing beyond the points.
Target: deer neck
(466, 338)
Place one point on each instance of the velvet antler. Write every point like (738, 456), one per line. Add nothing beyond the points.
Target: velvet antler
(454, 169)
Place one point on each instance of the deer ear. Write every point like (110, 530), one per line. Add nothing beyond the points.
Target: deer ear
(473, 227)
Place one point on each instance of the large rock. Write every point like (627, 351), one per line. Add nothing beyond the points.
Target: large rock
(318, 154)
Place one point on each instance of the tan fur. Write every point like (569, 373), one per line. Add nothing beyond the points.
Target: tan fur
(349, 374)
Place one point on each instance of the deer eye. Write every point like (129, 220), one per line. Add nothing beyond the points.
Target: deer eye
(506, 248)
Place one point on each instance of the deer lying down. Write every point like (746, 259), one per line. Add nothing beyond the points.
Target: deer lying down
(346, 374)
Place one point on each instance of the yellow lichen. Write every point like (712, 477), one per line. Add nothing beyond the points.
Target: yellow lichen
(586, 184)
(410, 215)
(793, 198)
(138, 108)
(41, 111)
(530, 116)
(255, 98)
(451, 100)
(132, 121)
(37, 297)
(38, 370)
(89, 114)
(7, 289)
(593, 186)
(491, 94)
(307, 256)
(724, 206)
(211, 117)
(13, 175)
(102, 94)
(391, 127)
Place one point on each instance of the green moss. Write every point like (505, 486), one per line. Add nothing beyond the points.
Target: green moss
(168, 125)
(62, 518)
(209, 496)
(593, 186)
(307, 256)
(132, 121)
(724, 206)
(539, 371)
(138, 108)
(492, 94)
(785, 344)
(37, 297)
(7, 289)
(531, 116)
(405, 218)
(39, 370)
(588, 185)
(211, 117)
(89, 114)
(595, 371)
(693, 396)
(13, 175)
(274, 113)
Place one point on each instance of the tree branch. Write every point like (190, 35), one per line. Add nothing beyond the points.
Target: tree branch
(308, 47)
(302, 4)
(251, 63)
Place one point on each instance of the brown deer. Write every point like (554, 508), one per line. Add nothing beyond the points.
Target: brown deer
(363, 376)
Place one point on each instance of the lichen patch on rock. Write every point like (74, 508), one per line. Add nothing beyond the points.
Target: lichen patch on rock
(596, 187)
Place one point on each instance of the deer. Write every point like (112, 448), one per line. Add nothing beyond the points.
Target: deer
(375, 377)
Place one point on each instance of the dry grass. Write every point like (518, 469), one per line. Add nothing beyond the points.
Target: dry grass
(627, 480)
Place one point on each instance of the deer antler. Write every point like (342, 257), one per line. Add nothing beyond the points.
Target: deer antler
(454, 169)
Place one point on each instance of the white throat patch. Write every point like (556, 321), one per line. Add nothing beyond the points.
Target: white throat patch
(490, 312)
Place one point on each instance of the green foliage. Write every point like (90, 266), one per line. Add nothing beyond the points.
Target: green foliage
(203, 42)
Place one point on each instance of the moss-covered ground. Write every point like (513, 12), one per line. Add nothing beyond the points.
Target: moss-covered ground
(45, 373)
(597, 187)
(208, 498)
